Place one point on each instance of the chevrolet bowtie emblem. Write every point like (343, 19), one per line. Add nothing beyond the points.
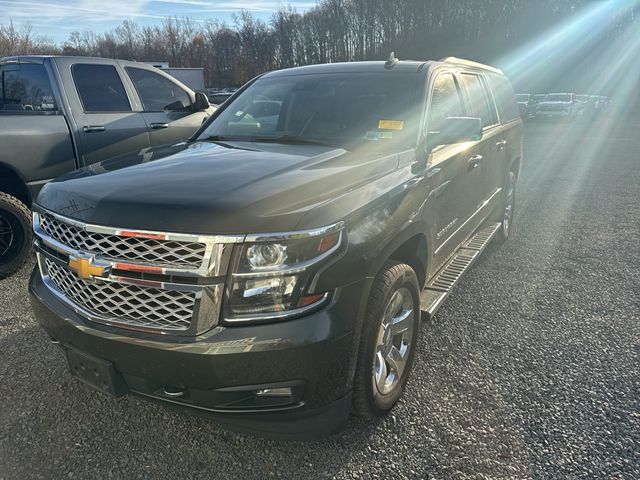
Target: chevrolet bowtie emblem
(87, 267)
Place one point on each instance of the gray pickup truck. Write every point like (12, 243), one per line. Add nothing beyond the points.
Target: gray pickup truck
(62, 113)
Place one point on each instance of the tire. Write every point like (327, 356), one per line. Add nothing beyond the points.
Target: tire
(16, 236)
(507, 210)
(394, 299)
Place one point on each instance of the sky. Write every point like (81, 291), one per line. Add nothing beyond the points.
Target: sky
(57, 18)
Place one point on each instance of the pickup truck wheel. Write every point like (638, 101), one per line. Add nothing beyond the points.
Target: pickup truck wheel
(389, 340)
(508, 208)
(15, 234)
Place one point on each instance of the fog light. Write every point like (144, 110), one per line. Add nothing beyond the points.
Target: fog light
(275, 392)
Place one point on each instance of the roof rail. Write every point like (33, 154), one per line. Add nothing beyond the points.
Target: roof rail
(469, 63)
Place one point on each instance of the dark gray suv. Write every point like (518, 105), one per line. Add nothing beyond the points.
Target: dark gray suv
(274, 270)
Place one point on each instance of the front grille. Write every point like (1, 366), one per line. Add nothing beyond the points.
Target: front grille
(133, 305)
(163, 253)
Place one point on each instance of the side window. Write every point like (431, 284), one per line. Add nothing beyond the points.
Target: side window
(26, 88)
(445, 102)
(481, 104)
(158, 94)
(505, 98)
(100, 88)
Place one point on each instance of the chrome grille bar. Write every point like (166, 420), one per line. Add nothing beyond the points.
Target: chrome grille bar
(156, 282)
(151, 251)
(127, 304)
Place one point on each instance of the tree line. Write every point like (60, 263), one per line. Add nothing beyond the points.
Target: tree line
(332, 31)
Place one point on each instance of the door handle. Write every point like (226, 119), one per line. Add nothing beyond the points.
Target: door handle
(93, 128)
(474, 161)
(159, 126)
(501, 144)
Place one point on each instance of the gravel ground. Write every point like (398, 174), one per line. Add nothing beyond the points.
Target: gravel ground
(529, 370)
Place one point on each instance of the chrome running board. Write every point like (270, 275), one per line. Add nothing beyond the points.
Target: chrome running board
(442, 283)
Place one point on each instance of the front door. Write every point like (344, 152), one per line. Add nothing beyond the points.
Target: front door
(168, 108)
(106, 124)
(453, 170)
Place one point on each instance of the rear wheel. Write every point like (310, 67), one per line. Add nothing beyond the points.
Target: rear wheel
(508, 208)
(389, 340)
(15, 234)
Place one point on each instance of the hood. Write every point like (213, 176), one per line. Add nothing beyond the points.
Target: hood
(212, 188)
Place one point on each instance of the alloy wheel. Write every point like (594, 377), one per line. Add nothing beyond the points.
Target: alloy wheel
(7, 234)
(394, 342)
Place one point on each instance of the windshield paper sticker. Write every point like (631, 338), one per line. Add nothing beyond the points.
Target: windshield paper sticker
(390, 124)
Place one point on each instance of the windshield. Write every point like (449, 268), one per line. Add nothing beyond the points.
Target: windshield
(558, 97)
(342, 110)
(522, 97)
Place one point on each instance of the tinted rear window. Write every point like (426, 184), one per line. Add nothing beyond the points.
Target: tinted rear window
(505, 98)
(100, 88)
(481, 104)
(26, 88)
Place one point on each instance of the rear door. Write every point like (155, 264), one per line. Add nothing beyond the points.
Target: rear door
(34, 134)
(456, 180)
(168, 108)
(509, 143)
(490, 150)
(106, 122)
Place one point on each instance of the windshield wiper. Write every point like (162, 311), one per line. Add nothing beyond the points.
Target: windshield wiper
(222, 138)
(286, 139)
(293, 140)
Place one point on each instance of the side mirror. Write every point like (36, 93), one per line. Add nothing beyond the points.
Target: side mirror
(201, 103)
(457, 130)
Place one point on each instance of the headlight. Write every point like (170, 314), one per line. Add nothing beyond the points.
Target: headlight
(271, 275)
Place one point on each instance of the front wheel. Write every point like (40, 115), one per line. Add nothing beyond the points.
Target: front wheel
(389, 340)
(15, 234)
(508, 208)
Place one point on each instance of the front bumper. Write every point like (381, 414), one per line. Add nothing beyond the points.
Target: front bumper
(220, 371)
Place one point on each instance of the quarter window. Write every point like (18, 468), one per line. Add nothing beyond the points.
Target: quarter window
(505, 98)
(26, 88)
(158, 94)
(481, 105)
(100, 88)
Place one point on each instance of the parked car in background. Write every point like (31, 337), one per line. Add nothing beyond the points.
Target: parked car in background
(61, 113)
(218, 98)
(538, 97)
(562, 105)
(273, 269)
(526, 106)
(582, 98)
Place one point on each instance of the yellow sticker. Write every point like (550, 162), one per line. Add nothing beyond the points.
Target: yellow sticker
(391, 124)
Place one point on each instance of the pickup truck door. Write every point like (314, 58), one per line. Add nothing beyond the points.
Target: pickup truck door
(34, 135)
(106, 123)
(453, 172)
(168, 107)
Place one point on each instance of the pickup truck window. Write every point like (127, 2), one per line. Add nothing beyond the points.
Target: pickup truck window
(158, 94)
(100, 88)
(445, 102)
(479, 101)
(346, 110)
(26, 89)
